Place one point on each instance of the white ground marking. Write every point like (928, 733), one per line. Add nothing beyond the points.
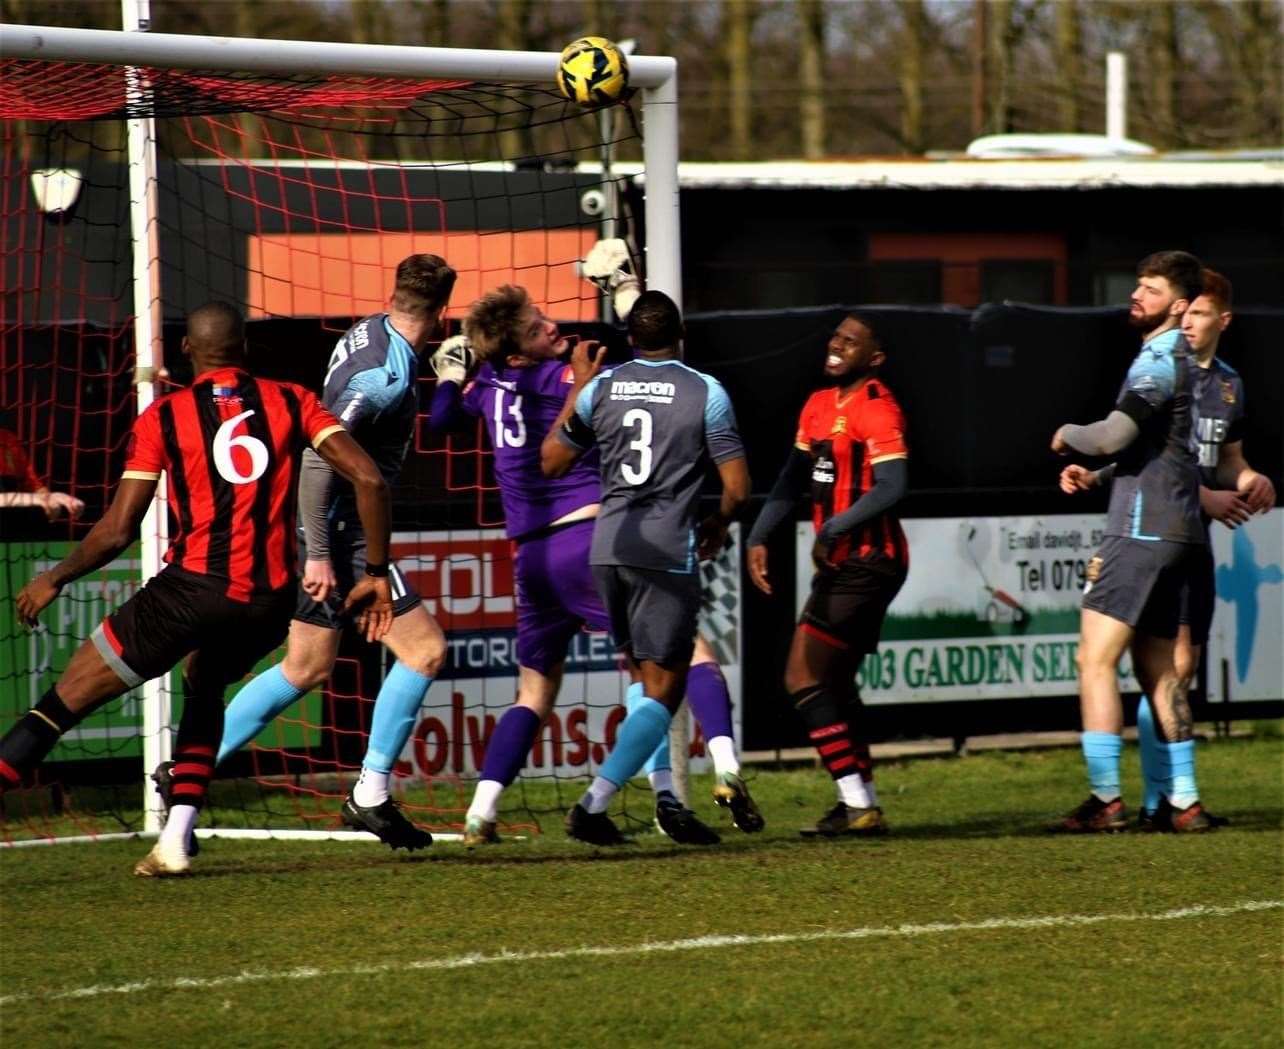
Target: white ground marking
(698, 943)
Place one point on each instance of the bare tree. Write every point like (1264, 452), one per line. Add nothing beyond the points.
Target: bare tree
(811, 71)
(999, 47)
(600, 18)
(913, 44)
(515, 35)
(1257, 71)
(1068, 58)
(981, 73)
(738, 18)
(1163, 61)
(434, 22)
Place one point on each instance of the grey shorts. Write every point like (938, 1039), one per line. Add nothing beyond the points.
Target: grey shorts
(348, 555)
(653, 613)
(1152, 585)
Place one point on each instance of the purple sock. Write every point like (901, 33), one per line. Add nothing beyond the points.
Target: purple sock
(710, 701)
(509, 744)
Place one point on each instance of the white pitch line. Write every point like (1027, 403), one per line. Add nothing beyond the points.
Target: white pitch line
(698, 943)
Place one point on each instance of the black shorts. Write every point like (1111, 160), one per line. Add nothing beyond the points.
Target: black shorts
(1199, 595)
(1153, 585)
(653, 613)
(348, 555)
(847, 604)
(178, 612)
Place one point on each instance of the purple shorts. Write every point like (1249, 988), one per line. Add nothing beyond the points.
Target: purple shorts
(556, 597)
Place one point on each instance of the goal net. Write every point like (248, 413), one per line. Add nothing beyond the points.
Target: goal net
(144, 175)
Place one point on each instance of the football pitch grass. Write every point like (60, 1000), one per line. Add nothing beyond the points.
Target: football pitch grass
(968, 926)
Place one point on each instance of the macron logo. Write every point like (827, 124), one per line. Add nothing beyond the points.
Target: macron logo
(651, 392)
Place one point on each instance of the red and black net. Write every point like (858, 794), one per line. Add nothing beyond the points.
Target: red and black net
(293, 197)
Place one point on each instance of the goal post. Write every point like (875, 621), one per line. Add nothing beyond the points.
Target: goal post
(656, 76)
(140, 87)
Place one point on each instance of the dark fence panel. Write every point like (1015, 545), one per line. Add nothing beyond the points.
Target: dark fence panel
(983, 392)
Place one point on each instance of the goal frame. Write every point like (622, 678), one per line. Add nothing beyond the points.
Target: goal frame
(135, 47)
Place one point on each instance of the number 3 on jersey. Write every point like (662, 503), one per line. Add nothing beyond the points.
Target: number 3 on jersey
(222, 447)
(640, 418)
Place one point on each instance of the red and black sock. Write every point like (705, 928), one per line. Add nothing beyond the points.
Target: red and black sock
(855, 710)
(828, 730)
(199, 734)
(34, 735)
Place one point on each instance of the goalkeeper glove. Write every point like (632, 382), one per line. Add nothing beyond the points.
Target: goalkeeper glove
(453, 359)
(607, 265)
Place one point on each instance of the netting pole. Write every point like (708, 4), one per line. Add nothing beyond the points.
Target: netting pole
(664, 273)
(148, 356)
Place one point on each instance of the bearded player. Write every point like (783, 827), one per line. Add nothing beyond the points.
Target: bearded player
(1230, 491)
(1150, 563)
(850, 455)
(518, 392)
(371, 385)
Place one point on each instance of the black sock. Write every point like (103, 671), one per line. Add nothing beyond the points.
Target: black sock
(822, 713)
(36, 733)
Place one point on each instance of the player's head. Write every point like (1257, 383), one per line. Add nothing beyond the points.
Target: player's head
(1208, 316)
(1167, 283)
(854, 350)
(215, 336)
(655, 325)
(505, 327)
(424, 284)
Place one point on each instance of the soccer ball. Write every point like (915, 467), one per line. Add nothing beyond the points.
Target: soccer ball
(593, 72)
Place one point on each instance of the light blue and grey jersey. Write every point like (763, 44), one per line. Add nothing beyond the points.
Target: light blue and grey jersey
(370, 386)
(658, 426)
(1155, 494)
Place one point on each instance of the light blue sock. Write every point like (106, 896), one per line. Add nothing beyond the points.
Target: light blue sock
(396, 708)
(1101, 752)
(1179, 769)
(1152, 774)
(639, 736)
(660, 760)
(253, 709)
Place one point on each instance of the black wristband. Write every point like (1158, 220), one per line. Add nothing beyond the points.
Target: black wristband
(378, 571)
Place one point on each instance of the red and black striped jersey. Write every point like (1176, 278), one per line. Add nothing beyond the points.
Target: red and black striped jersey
(845, 435)
(231, 446)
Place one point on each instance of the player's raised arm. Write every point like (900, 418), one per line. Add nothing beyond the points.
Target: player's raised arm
(1151, 383)
(1104, 437)
(451, 364)
(115, 530)
(571, 434)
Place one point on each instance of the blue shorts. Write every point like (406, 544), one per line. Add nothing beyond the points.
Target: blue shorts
(556, 597)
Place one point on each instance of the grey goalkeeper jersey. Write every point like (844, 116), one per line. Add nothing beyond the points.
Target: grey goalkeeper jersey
(658, 426)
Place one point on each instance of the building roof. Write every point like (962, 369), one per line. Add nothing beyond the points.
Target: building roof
(1174, 170)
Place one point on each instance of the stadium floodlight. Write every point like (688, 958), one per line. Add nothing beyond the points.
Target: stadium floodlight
(287, 177)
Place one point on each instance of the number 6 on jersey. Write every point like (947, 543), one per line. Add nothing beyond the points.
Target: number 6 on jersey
(222, 447)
